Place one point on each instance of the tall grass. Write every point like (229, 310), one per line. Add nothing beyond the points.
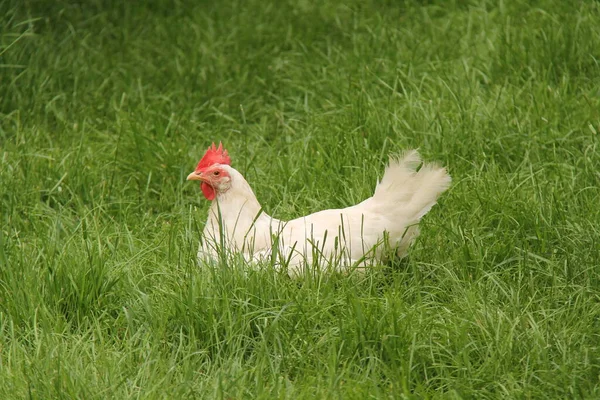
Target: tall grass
(106, 106)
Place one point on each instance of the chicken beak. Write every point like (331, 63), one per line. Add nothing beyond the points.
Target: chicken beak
(195, 176)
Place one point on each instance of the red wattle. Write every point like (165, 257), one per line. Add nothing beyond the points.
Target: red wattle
(207, 190)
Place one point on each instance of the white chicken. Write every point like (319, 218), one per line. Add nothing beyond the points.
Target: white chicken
(355, 236)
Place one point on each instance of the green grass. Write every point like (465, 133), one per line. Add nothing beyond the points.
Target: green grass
(105, 107)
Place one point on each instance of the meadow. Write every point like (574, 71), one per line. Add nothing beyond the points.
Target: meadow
(106, 106)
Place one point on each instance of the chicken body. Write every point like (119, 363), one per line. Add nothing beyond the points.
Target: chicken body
(339, 238)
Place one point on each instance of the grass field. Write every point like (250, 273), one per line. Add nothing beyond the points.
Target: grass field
(106, 106)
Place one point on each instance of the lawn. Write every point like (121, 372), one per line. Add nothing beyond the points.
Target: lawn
(106, 106)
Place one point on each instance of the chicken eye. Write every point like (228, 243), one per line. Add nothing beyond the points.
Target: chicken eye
(216, 173)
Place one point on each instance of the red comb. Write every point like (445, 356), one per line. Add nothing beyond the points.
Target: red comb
(214, 155)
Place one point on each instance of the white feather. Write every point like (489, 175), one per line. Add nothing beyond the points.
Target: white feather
(354, 236)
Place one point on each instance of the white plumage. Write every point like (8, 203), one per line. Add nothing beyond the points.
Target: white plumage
(355, 236)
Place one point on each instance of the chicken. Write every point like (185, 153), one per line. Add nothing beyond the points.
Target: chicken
(356, 236)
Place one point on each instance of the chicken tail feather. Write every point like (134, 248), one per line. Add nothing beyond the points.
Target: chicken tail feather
(409, 190)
